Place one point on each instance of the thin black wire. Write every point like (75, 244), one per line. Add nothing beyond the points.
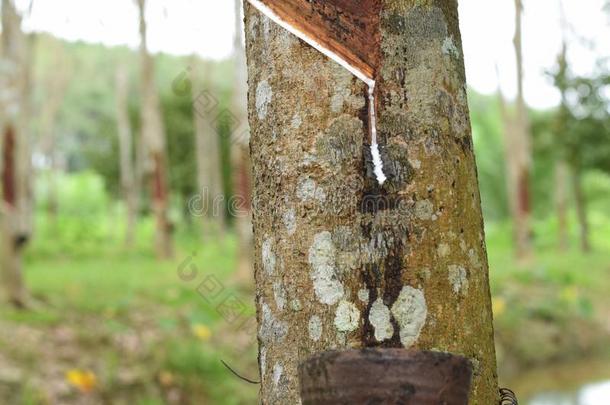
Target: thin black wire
(238, 375)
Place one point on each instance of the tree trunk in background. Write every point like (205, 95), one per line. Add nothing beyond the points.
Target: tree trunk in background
(56, 82)
(153, 136)
(340, 261)
(13, 237)
(242, 172)
(207, 147)
(561, 164)
(128, 179)
(561, 202)
(581, 211)
(16, 169)
(520, 163)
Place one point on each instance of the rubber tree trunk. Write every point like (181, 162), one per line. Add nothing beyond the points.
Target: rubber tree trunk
(240, 155)
(153, 136)
(520, 162)
(580, 200)
(207, 147)
(344, 263)
(128, 180)
(16, 202)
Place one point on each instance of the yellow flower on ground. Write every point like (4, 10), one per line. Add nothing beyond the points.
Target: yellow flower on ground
(84, 380)
(498, 306)
(201, 331)
(570, 294)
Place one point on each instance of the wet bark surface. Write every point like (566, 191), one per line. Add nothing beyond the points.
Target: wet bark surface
(342, 262)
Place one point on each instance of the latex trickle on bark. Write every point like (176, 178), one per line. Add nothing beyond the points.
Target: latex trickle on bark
(360, 64)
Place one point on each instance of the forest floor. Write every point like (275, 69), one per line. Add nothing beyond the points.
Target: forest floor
(126, 329)
(553, 307)
(129, 330)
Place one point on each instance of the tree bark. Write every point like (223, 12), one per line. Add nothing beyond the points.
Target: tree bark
(242, 172)
(128, 180)
(16, 201)
(153, 135)
(340, 261)
(207, 147)
(581, 211)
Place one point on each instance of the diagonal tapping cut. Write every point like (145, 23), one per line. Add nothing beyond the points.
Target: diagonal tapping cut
(345, 31)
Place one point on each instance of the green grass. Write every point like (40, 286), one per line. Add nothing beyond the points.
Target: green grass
(126, 314)
(553, 306)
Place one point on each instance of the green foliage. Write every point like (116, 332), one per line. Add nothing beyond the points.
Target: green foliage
(87, 128)
(582, 123)
(549, 309)
(489, 150)
(488, 135)
(104, 297)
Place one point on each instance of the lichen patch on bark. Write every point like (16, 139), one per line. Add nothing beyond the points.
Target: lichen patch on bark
(272, 330)
(363, 295)
(268, 256)
(424, 209)
(279, 294)
(308, 190)
(449, 48)
(410, 311)
(296, 121)
(315, 328)
(264, 94)
(322, 253)
(278, 369)
(458, 277)
(290, 220)
(347, 317)
(443, 250)
(379, 317)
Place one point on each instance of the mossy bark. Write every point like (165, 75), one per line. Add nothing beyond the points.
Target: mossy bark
(341, 261)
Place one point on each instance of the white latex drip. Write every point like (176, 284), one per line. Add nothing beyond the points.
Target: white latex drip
(377, 162)
(370, 82)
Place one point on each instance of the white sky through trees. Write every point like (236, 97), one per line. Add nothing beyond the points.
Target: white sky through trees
(205, 27)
